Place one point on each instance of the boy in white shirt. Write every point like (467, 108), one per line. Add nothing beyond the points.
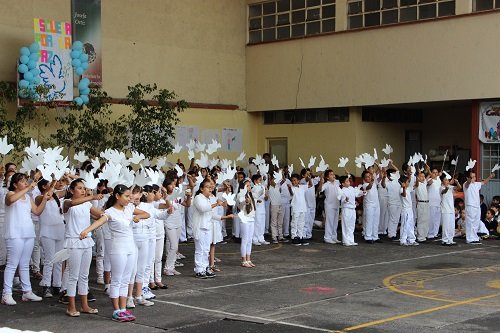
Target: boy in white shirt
(434, 190)
(394, 203)
(371, 208)
(331, 187)
(407, 231)
(299, 209)
(422, 197)
(285, 201)
(347, 197)
(383, 199)
(276, 209)
(473, 206)
(447, 209)
(310, 201)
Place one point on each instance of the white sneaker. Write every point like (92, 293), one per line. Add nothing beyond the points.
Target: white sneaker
(130, 303)
(172, 272)
(265, 243)
(100, 280)
(8, 300)
(180, 256)
(329, 241)
(147, 294)
(29, 296)
(178, 264)
(256, 243)
(144, 302)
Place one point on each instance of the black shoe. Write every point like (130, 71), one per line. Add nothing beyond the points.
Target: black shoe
(56, 291)
(369, 241)
(90, 297)
(46, 292)
(296, 241)
(378, 241)
(304, 241)
(63, 298)
(393, 239)
(445, 244)
(200, 276)
(283, 240)
(209, 273)
(237, 240)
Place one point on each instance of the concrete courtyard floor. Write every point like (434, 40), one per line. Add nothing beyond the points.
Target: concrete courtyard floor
(316, 288)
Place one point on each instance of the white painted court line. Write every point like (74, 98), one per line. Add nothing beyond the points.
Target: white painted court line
(243, 316)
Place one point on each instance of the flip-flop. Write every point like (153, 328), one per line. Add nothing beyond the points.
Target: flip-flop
(73, 313)
(91, 311)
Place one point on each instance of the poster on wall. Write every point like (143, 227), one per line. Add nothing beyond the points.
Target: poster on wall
(489, 122)
(207, 135)
(232, 139)
(54, 63)
(184, 134)
(86, 23)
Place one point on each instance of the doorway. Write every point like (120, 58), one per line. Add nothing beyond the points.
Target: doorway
(278, 147)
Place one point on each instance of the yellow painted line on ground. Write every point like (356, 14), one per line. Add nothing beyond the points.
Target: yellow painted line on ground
(416, 313)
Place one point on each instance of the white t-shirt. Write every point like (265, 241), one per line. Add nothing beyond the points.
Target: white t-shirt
(331, 190)
(299, 204)
(18, 223)
(78, 219)
(285, 195)
(120, 226)
(394, 191)
(274, 193)
(52, 221)
(447, 205)
(421, 191)
(472, 194)
(347, 197)
(434, 193)
(406, 200)
(371, 196)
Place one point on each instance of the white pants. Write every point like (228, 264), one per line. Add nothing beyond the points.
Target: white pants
(160, 242)
(371, 216)
(348, 224)
(286, 219)
(99, 252)
(122, 266)
(183, 234)
(172, 245)
(107, 254)
(298, 221)
(36, 254)
(260, 223)
(52, 272)
(268, 212)
(246, 238)
(309, 221)
(189, 222)
(384, 216)
(276, 221)
(331, 222)
(148, 277)
(394, 217)
(407, 231)
(3, 248)
(236, 225)
(18, 254)
(434, 221)
(142, 258)
(79, 266)
(448, 228)
(423, 217)
(472, 220)
(202, 249)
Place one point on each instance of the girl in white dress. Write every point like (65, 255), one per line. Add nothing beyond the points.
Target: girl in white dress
(20, 236)
(246, 204)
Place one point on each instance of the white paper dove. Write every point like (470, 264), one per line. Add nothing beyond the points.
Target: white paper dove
(146, 162)
(455, 161)
(369, 160)
(322, 166)
(229, 197)
(27, 165)
(80, 156)
(190, 154)
(290, 169)
(470, 164)
(126, 177)
(388, 149)
(263, 169)
(202, 161)
(160, 163)
(241, 156)
(62, 166)
(177, 148)
(136, 158)
(213, 147)
(191, 145)
(375, 155)
(5, 147)
(52, 155)
(230, 173)
(302, 163)
(395, 176)
(179, 171)
(495, 168)
(359, 161)
(448, 176)
(110, 172)
(384, 163)
(312, 161)
(90, 181)
(96, 164)
(46, 171)
(200, 147)
(274, 161)
(153, 175)
(118, 157)
(278, 176)
(225, 164)
(342, 162)
(141, 178)
(199, 178)
(212, 163)
(258, 160)
(176, 193)
(33, 149)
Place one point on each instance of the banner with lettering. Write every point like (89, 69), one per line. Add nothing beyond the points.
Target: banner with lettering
(86, 20)
(489, 122)
(56, 72)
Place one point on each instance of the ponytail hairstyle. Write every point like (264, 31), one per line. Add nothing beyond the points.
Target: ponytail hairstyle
(119, 189)
(145, 191)
(44, 182)
(16, 178)
(251, 205)
(71, 187)
(202, 185)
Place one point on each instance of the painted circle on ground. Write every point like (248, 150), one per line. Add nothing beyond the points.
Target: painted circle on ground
(494, 284)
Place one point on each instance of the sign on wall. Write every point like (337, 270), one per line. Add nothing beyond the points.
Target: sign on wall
(86, 22)
(232, 139)
(489, 122)
(54, 63)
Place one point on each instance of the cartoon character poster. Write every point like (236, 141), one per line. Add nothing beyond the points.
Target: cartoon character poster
(54, 38)
(489, 122)
(232, 139)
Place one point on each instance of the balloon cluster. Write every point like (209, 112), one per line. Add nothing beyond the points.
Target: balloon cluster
(80, 63)
(27, 67)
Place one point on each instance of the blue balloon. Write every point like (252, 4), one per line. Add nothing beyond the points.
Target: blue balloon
(83, 84)
(23, 84)
(77, 45)
(85, 81)
(85, 91)
(34, 56)
(35, 71)
(84, 65)
(23, 93)
(78, 101)
(28, 76)
(34, 47)
(85, 99)
(24, 51)
(32, 64)
(22, 68)
(37, 80)
(76, 54)
(76, 62)
(24, 59)
(79, 71)
(84, 57)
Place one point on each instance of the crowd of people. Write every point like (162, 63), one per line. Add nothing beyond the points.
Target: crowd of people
(134, 231)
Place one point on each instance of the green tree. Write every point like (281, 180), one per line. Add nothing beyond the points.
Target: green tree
(151, 124)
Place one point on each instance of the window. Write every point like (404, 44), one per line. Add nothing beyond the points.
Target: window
(490, 154)
(285, 19)
(480, 5)
(303, 116)
(392, 115)
(369, 13)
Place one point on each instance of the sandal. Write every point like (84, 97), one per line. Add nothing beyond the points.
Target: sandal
(73, 313)
(245, 264)
(90, 311)
(251, 264)
(153, 286)
(161, 285)
(214, 268)
(37, 275)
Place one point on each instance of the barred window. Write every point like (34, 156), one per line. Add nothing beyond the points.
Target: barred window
(286, 19)
(369, 13)
(490, 155)
(303, 116)
(480, 5)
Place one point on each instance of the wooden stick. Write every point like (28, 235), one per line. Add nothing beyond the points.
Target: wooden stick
(444, 160)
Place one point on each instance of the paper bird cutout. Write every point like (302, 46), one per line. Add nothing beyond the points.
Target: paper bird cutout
(258, 160)
(190, 154)
(213, 147)
(89, 180)
(495, 168)
(241, 156)
(146, 162)
(470, 164)
(448, 176)
(342, 162)
(375, 155)
(153, 175)
(52, 155)
(180, 172)
(322, 166)
(202, 161)
(80, 156)
(191, 145)
(229, 198)
(359, 161)
(225, 164)
(302, 163)
(96, 164)
(136, 158)
(177, 148)
(263, 169)
(384, 163)
(274, 161)
(33, 149)
(161, 162)
(290, 169)
(5, 147)
(387, 150)
(199, 178)
(455, 161)
(312, 161)
(278, 176)
(200, 147)
(46, 171)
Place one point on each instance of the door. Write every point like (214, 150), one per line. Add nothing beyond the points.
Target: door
(278, 147)
(413, 143)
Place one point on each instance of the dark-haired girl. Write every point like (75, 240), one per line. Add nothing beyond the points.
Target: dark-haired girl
(246, 204)
(77, 210)
(120, 214)
(20, 236)
(51, 236)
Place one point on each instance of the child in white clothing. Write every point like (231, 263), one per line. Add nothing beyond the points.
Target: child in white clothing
(331, 187)
(447, 209)
(407, 232)
(347, 197)
(299, 209)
